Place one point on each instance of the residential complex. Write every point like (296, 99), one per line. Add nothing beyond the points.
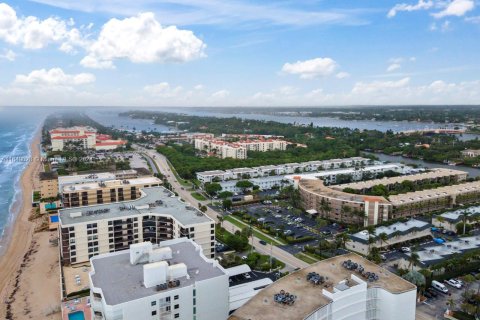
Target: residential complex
(48, 184)
(437, 175)
(155, 216)
(396, 233)
(436, 253)
(328, 201)
(83, 137)
(346, 287)
(238, 149)
(282, 169)
(172, 280)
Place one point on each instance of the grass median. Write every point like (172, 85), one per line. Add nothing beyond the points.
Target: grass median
(257, 233)
(198, 196)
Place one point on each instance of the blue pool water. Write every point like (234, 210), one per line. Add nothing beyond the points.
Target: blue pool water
(53, 219)
(78, 315)
(51, 206)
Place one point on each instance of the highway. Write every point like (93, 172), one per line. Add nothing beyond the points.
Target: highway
(182, 191)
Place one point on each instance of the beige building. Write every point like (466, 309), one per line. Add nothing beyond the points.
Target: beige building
(471, 153)
(437, 175)
(84, 137)
(48, 184)
(91, 193)
(331, 203)
(155, 216)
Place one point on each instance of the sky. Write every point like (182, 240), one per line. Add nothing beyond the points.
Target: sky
(239, 53)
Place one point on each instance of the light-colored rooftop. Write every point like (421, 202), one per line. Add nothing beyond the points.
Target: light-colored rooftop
(446, 191)
(457, 215)
(121, 281)
(76, 187)
(438, 252)
(154, 200)
(404, 227)
(93, 177)
(310, 297)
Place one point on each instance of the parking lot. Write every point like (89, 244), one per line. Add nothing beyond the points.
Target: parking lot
(285, 221)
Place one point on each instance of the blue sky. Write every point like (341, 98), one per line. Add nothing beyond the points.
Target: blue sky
(239, 53)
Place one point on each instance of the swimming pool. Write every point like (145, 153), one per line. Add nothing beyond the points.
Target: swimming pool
(53, 219)
(77, 315)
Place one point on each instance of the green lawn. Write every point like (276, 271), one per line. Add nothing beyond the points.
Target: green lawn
(198, 196)
(306, 257)
(257, 233)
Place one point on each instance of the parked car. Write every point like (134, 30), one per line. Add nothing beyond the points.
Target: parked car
(383, 257)
(326, 232)
(244, 257)
(439, 286)
(263, 242)
(432, 292)
(453, 283)
(405, 249)
(247, 276)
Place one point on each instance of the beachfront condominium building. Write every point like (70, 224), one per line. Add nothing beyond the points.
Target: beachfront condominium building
(84, 194)
(346, 287)
(83, 137)
(48, 184)
(155, 216)
(398, 232)
(172, 280)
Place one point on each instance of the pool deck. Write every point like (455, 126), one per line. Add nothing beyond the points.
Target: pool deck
(80, 305)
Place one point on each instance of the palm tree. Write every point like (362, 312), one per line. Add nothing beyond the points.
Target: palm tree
(342, 239)
(383, 238)
(220, 219)
(414, 259)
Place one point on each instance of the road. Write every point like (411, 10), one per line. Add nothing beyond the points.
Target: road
(164, 168)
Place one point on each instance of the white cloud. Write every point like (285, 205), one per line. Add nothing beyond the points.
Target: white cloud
(141, 39)
(421, 5)
(475, 19)
(199, 87)
(378, 86)
(342, 75)
(443, 27)
(221, 94)
(456, 8)
(310, 69)
(393, 67)
(163, 89)
(33, 33)
(8, 55)
(54, 77)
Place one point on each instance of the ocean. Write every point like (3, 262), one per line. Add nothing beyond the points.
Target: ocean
(17, 127)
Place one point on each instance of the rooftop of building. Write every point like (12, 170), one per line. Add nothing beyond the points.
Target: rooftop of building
(431, 174)
(416, 196)
(122, 281)
(50, 175)
(154, 200)
(309, 296)
(411, 225)
(345, 171)
(436, 253)
(75, 187)
(317, 187)
(96, 177)
(284, 165)
(457, 215)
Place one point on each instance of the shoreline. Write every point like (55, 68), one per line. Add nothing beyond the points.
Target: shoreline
(17, 238)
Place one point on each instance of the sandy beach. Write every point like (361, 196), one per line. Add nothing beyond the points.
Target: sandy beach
(29, 277)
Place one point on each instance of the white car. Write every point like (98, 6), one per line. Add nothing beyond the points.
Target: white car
(406, 249)
(454, 283)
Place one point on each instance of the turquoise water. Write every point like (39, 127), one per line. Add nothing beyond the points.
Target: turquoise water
(78, 315)
(17, 127)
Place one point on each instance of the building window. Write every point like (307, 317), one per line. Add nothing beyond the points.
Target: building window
(167, 299)
(175, 297)
(154, 312)
(154, 303)
(177, 315)
(176, 306)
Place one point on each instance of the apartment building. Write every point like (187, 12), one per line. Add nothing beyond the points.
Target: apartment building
(398, 232)
(172, 280)
(331, 203)
(346, 287)
(155, 216)
(282, 169)
(84, 137)
(436, 175)
(48, 184)
(100, 177)
(471, 153)
(85, 194)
